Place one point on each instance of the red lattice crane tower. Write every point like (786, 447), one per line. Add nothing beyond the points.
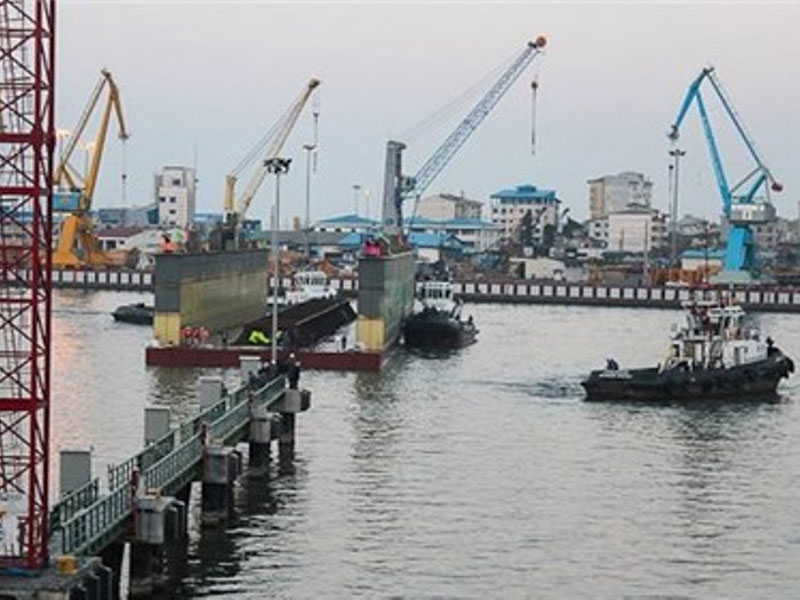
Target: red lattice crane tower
(27, 141)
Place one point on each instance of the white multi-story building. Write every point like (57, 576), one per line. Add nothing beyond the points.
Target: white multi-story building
(509, 206)
(175, 195)
(449, 206)
(613, 193)
(597, 229)
(637, 229)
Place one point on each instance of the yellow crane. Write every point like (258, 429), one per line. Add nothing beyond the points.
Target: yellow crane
(235, 206)
(77, 243)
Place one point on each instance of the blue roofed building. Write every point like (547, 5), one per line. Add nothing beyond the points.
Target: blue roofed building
(510, 205)
(702, 258)
(346, 224)
(475, 234)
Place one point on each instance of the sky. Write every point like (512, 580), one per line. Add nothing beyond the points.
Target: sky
(202, 81)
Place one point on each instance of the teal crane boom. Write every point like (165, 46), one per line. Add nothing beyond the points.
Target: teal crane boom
(741, 210)
(398, 187)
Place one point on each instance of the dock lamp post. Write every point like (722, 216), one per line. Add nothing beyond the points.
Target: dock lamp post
(676, 154)
(356, 190)
(276, 166)
(309, 148)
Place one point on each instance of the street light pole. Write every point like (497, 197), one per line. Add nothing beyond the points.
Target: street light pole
(676, 154)
(356, 189)
(309, 148)
(278, 167)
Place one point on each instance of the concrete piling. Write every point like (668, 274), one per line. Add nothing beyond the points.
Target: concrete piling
(141, 570)
(157, 519)
(156, 423)
(286, 438)
(221, 466)
(112, 560)
(212, 390)
(293, 402)
(260, 437)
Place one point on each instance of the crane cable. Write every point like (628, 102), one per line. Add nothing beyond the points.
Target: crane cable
(257, 150)
(315, 152)
(439, 116)
(124, 171)
(534, 88)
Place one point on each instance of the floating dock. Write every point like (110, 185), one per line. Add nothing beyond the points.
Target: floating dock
(228, 357)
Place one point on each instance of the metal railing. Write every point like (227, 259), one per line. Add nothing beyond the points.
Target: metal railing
(71, 503)
(84, 525)
(120, 474)
(90, 525)
(173, 465)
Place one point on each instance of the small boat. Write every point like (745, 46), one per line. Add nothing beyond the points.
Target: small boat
(307, 285)
(138, 313)
(438, 326)
(714, 354)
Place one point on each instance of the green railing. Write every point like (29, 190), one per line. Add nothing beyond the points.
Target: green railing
(85, 527)
(173, 465)
(121, 474)
(71, 503)
(88, 527)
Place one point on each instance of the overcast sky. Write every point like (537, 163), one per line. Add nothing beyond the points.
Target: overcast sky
(215, 75)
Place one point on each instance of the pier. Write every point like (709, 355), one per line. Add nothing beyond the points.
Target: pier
(145, 501)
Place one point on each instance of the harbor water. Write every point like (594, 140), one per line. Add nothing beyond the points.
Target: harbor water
(479, 475)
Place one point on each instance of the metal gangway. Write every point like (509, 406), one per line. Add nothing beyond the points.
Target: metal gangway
(83, 522)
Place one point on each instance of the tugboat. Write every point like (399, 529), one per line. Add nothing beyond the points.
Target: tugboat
(713, 355)
(438, 326)
(138, 314)
(307, 285)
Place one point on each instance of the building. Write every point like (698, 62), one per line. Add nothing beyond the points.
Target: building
(695, 259)
(175, 196)
(637, 229)
(475, 235)
(135, 216)
(509, 207)
(121, 237)
(613, 193)
(449, 206)
(597, 229)
(346, 224)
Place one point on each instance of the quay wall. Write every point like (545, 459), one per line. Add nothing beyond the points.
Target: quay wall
(763, 298)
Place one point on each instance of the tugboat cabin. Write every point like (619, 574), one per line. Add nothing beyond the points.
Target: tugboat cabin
(714, 336)
(437, 294)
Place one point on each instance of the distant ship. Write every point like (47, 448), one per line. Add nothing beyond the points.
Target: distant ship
(138, 313)
(713, 355)
(438, 326)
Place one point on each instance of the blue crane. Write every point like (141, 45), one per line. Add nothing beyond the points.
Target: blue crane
(741, 210)
(398, 187)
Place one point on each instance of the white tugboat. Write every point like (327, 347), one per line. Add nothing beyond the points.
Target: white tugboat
(307, 285)
(713, 355)
(439, 324)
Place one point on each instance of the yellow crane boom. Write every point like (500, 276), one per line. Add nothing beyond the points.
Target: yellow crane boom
(235, 207)
(77, 244)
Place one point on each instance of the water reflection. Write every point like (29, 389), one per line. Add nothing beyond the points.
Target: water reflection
(443, 477)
